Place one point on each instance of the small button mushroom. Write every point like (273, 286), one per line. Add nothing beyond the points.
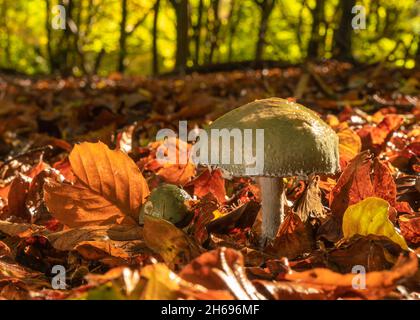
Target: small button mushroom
(296, 143)
(167, 202)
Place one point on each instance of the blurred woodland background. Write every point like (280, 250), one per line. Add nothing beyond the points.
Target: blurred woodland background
(146, 37)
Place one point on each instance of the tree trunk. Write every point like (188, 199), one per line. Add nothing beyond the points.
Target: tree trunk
(154, 35)
(123, 37)
(215, 29)
(266, 7)
(197, 32)
(182, 41)
(342, 36)
(317, 18)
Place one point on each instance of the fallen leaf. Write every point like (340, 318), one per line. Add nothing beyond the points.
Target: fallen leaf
(109, 189)
(378, 283)
(210, 182)
(309, 204)
(110, 173)
(370, 216)
(410, 228)
(171, 243)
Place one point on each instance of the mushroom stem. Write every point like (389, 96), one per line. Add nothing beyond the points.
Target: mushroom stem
(272, 195)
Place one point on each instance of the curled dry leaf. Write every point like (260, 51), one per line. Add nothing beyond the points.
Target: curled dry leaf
(410, 228)
(378, 283)
(17, 196)
(109, 188)
(164, 284)
(309, 204)
(373, 252)
(103, 251)
(221, 269)
(293, 239)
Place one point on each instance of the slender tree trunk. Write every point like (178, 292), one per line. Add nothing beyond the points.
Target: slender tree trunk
(233, 27)
(266, 7)
(155, 35)
(123, 37)
(342, 36)
(197, 32)
(49, 37)
(317, 18)
(215, 30)
(182, 41)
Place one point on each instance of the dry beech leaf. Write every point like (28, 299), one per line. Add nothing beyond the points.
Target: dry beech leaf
(349, 145)
(309, 204)
(104, 251)
(210, 182)
(293, 239)
(173, 245)
(21, 230)
(378, 283)
(164, 284)
(17, 196)
(110, 188)
(221, 269)
(410, 228)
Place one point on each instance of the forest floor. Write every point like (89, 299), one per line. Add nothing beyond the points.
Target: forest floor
(52, 214)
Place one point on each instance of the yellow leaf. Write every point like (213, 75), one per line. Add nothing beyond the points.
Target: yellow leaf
(370, 216)
(162, 283)
(171, 243)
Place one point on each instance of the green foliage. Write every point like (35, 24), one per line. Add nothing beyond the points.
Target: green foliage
(392, 32)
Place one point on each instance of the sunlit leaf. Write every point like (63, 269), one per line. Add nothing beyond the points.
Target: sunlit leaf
(370, 216)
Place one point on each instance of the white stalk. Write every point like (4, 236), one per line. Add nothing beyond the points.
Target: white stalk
(272, 196)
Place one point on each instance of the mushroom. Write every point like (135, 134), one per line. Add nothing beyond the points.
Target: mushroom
(296, 143)
(168, 202)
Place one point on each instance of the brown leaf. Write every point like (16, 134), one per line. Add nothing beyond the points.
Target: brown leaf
(67, 240)
(349, 145)
(17, 196)
(293, 239)
(210, 182)
(221, 269)
(410, 228)
(353, 185)
(309, 204)
(104, 251)
(378, 283)
(373, 252)
(77, 206)
(174, 246)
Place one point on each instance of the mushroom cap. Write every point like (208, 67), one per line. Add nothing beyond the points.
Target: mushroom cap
(167, 202)
(297, 142)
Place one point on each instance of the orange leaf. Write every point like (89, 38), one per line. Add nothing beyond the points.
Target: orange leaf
(349, 145)
(210, 182)
(110, 188)
(110, 173)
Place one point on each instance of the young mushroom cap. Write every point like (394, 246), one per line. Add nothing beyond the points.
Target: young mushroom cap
(296, 140)
(296, 143)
